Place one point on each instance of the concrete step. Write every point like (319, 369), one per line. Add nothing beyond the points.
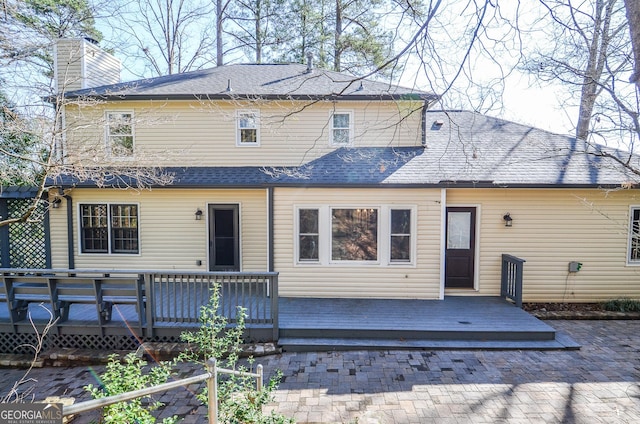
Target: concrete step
(319, 344)
(544, 333)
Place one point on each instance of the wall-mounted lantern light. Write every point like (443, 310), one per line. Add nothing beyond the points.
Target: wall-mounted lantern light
(198, 214)
(508, 221)
(55, 203)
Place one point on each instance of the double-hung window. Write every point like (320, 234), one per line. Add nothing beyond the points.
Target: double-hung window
(248, 128)
(400, 235)
(634, 236)
(109, 228)
(308, 235)
(341, 128)
(119, 139)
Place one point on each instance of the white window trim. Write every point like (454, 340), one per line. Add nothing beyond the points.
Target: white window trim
(332, 143)
(255, 112)
(412, 235)
(629, 237)
(109, 253)
(325, 236)
(107, 135)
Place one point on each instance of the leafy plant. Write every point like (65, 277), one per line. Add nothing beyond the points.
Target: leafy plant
(622, 305)
(239, 401)
(121, 377)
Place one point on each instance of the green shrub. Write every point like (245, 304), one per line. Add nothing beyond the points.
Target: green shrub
(121, 377)
(238, 399)
(622, 305)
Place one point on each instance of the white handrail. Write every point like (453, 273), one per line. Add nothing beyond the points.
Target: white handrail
(210, 377)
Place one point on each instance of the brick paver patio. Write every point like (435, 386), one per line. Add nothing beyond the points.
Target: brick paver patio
(599, 383)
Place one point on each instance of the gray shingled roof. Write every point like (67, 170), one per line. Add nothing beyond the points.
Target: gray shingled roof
(269, 81)
(469, 149)
(466, 150)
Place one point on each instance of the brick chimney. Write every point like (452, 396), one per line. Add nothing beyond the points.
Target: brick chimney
(79, 63)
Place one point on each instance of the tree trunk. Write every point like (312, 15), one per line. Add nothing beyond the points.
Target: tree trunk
(337, 50)
(633, 16)
(219, 60)
(595, 65)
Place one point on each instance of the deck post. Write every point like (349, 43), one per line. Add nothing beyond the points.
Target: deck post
(150, 302)
(274, 307)
(511, 278)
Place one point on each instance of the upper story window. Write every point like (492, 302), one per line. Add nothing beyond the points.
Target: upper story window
(109, 228)
(634, 236)
(341, 128)
(119, 133)
(248, 128)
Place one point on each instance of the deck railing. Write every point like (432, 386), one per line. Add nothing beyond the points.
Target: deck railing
(167, 299)
(180, 296)
(511, 281)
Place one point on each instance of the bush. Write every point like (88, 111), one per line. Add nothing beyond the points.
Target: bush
(123, 377)
(622, 305)
(239, 401)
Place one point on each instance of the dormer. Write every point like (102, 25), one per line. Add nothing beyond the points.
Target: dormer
(80, 63)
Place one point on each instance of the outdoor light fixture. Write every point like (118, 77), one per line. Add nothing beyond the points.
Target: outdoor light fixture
(56, 203)
(508, 221)
(198, 214)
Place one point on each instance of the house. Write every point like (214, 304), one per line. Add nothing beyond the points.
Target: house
(347, 187)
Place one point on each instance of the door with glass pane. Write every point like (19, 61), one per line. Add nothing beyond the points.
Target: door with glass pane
(224, 238)
(460, 249)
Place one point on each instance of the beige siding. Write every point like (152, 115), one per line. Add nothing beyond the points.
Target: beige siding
(80, 64)
(193, 133)
(170, 237)
(58, 233)
(100, 67)
(68, 65)
(419, 281)
(550, 229)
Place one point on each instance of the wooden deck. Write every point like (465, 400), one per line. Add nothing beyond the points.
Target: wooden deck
(452, 323)
(312, 324)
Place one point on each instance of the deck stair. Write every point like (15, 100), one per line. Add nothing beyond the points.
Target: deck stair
(453, 323)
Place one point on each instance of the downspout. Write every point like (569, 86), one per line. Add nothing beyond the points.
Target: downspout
(270, 228)
(443, 239)
(72, 262)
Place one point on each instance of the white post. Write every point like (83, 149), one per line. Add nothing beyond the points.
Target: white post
(259, 379)
(212, 388)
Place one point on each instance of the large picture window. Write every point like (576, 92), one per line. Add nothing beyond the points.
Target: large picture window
(354, 234)
(634, 236)
(120, 133)
(109, 228)
(366, 236)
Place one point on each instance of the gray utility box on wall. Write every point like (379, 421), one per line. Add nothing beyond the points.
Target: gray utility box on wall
(574, 266)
